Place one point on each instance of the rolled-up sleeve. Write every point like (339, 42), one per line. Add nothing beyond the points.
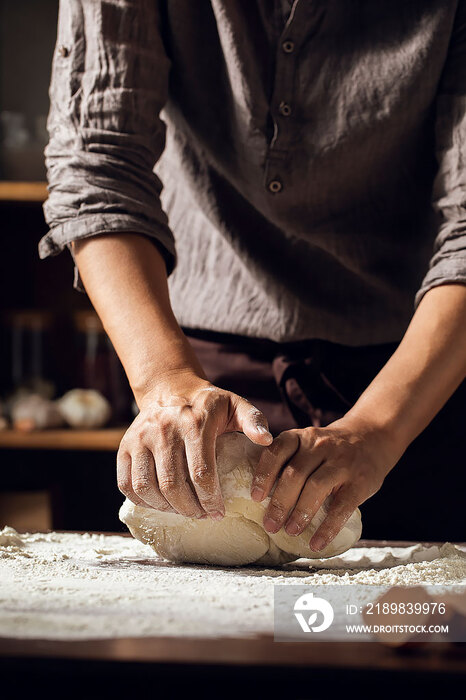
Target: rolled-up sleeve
(109, 84)
(448, 264)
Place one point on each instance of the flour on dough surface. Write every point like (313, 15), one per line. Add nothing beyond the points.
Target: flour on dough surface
(240, 538)
(70, 586)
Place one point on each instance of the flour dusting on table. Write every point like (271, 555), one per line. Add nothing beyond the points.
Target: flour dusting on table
(70, 586)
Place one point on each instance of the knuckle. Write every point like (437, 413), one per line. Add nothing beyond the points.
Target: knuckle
(201, 474)
(164, 425)
(260, 479)
(141, 485)
(322, 477)
(164, 428)
(193, 425)
(198, 420)
(358, 478)
(276, 447)
(211, 397)
(288, 441)
(307, 437)
(140, 434)
(314, 484)
(291, 472)
(302, 516)
(169, 483)
(264, 474)
(124, 486)
(321, 443)
(277, 509)
(345, 472)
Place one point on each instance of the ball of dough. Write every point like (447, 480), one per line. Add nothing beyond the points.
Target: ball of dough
(240, 537)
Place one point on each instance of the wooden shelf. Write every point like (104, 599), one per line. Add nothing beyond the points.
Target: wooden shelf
(23, 191)
(102, 440)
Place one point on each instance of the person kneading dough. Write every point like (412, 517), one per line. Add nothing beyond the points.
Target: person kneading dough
(240, 538)
(273, 236)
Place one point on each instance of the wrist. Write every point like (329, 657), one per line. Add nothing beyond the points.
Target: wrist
(381, 434)
(181, 382)
(158, 372)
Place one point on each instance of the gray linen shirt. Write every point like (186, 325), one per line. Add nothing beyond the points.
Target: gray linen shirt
(312, 161)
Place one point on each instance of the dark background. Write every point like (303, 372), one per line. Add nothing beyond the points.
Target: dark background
(76, 488)
(65, 478)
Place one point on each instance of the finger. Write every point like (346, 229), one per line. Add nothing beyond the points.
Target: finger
(288, 489)
(144, 482)
(173, 478)
(341, 508)
(252, 422)
(124, 477)
(316, 489)
(202, 467)
(271, 461)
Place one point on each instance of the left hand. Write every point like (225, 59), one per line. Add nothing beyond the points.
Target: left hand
(307, 465)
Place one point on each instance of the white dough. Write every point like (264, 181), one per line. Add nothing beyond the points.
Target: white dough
(240, 537)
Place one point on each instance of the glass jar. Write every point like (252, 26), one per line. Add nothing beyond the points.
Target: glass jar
(99, 367)
(30, 352)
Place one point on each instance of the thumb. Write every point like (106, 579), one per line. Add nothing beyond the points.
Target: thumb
(252, 423)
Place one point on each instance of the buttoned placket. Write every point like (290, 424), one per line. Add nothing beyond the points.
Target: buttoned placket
(303, 20)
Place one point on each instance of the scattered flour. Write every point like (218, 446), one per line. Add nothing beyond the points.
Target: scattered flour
(70, 586)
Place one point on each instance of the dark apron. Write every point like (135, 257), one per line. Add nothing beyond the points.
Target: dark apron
(314, 383)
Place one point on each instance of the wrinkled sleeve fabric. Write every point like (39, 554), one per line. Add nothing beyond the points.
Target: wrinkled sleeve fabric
(448, 264)
(109, 83)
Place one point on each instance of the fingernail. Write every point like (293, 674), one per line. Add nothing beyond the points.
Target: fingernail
(292, 528)
(263, 431)
(317, 543)
(216, 515)
(271, 526)
(257, 494)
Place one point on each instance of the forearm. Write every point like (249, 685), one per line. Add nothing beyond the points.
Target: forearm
(422, 374)
(126, 280)
(348, 460)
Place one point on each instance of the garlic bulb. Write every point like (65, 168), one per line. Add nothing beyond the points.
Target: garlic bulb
(33, 412)
(84, 408)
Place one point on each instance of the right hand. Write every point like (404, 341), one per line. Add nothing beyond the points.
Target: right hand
(166, 458)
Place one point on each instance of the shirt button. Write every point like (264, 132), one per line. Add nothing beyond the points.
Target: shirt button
(275, 186)
(63, 51)
(284, 109)
(288, 46)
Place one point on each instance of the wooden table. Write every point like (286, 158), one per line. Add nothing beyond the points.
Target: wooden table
(242, 667)
(230, 668)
